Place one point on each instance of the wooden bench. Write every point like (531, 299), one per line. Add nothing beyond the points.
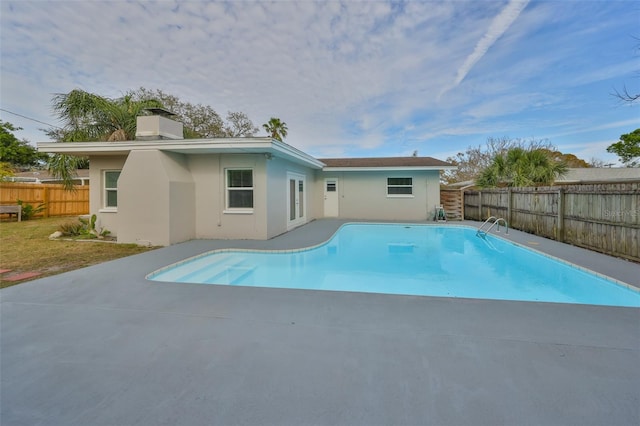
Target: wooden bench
(10, 210)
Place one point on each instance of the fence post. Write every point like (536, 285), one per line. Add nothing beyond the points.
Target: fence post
(509, 205)
(480, 206)
(45, 201)
(561, 214)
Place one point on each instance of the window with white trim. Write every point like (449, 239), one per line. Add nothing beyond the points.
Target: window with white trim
(399, 187)
(111, 188)
(240, 189)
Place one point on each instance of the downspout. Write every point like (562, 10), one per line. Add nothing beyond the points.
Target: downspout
(426, 197)
(220, 194)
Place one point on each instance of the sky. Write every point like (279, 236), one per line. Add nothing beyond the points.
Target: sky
(349, 78)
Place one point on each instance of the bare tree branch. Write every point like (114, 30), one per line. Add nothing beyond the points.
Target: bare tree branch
(625, 96)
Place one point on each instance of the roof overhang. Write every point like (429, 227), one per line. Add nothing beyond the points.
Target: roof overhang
(389, 168)
(595, 182)
(265, 146)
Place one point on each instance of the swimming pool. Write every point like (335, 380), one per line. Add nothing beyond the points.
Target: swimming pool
(410, 259)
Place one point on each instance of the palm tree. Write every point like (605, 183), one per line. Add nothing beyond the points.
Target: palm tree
(88, 117)
(521, 167)
(276, 129)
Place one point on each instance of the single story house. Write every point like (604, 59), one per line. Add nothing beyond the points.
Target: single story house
(161, 189)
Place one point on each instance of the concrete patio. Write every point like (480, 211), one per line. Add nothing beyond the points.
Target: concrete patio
(103, 346)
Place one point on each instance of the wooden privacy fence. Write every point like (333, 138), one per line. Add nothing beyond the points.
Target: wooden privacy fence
(452, 202)
(57, 201)
(601, 217)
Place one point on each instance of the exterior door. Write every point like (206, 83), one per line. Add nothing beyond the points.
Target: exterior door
(331, 197)
(296, 196)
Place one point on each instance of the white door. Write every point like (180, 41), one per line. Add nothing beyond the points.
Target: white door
(296, 190)
(331, 198)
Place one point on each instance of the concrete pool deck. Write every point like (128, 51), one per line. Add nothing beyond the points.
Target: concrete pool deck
(103, 346)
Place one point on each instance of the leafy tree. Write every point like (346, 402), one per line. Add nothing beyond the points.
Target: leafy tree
(17, 153)
(239, 125)
(276, 128)
(5, 170)
(628, 148)
(521, 167)
(89, 117)
(201, 121)
(570, 160)
(474, 160)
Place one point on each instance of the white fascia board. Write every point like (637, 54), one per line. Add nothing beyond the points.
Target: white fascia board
(84, 148)
(296, 155)
(195, 146)
(389, 169)
(185, 146)
(177, 145)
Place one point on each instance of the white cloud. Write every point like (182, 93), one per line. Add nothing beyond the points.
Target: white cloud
(575, 129)
(351, 77)
(498, 27)
(592, 150)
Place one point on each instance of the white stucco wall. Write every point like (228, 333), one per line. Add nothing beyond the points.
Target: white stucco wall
(166, 198)
(155, 199)
(212, 220)
(276, 197)
(154, 126)
(363, 195)
(106, 219)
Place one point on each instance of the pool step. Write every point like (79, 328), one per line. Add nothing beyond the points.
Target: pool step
(177, 273)
(231, 275)
(209, 268)
(212, 274)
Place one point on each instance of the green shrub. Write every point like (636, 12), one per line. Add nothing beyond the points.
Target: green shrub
(84, 228)
(71, 228)
(29, 211)
(89, 224)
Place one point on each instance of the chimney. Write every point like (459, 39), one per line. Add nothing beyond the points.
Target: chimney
(158, 126)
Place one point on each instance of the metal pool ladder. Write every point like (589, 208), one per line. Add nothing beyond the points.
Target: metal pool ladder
(496, 222)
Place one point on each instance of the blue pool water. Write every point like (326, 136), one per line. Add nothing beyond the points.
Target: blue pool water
(428, 260)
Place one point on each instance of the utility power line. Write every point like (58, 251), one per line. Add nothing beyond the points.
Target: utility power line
(29, 118)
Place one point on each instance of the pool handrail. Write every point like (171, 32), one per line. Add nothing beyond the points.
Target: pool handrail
(496, 221)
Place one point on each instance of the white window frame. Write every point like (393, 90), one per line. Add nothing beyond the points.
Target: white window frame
(238, 210)
(399, 186)
(105, 191)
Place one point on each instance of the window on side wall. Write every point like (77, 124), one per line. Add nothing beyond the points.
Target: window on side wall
(111, 189)
(240, 190)
(399, 187)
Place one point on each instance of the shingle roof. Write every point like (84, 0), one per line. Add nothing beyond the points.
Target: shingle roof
(44, 175)
(385, 162)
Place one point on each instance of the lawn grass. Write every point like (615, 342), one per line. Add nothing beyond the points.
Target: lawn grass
(25, 247)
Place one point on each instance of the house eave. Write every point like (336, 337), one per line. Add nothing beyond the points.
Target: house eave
(377, 169)
(269, 146)
(595, 182)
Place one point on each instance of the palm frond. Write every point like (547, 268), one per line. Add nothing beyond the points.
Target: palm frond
(64, 168)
